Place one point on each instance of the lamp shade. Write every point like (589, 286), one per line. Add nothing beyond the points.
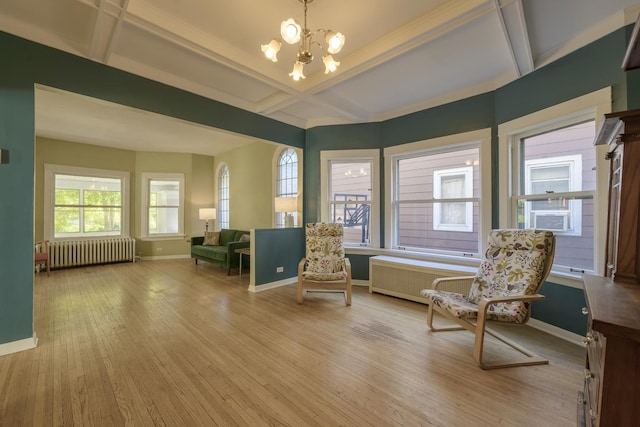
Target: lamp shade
(207, 213)
(286, 204)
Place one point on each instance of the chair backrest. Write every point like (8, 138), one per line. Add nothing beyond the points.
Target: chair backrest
(517, 262)
(324, 247)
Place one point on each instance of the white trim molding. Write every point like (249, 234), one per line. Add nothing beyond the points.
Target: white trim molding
(20, 345)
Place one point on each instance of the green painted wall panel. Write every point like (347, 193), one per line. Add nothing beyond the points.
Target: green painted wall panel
(16, 210)
(277, 247)
(586, 70)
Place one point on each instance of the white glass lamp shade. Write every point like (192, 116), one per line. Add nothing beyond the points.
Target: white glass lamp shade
(290, 31)
(330, 64)
(335, 42)
(271, 50)
(286, 204)
(207, 213)
(297, 72)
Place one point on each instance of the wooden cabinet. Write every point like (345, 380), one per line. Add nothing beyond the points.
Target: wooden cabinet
(612, 374)
(611, 393)
(621, 131)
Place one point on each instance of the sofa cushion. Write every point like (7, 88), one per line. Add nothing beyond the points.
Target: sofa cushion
(218, 253)
(245, 238)
(238, 236)
(211, 238)
(227, 236)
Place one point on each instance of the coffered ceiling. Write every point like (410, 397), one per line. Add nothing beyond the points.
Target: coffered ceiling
(400, 56)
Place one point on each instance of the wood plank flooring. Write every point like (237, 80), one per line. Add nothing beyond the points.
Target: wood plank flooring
(169, 343)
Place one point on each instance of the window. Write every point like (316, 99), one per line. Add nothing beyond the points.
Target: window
(439, 195)
(550, 171)
(287, 181)
(350, 192)
(223, 197)
(435, 195)
(82, 202)
(163, 198)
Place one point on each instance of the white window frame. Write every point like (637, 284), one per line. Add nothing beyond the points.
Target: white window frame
(145, 179)
(574, 210)
(371, 156)
(592, 106)
(278, 217)
(224, 215)
(480, 138)
(467, 171)
(51, 170)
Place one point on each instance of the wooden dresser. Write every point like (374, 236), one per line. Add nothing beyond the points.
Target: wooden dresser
(611, 394)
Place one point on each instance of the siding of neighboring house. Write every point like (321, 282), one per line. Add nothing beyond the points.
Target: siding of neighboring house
(573, 250)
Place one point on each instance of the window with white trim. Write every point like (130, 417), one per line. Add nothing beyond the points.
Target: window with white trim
(163, 200)
(287, 181)
(439, 195)
(350, 193)
(552, 176)
(436, 209)
(85, 203)
(223, 197)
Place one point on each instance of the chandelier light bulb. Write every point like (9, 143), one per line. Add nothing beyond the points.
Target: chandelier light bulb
(290, 31)
(271, 50)
(335, 42)
(297, 72)
(330, 64)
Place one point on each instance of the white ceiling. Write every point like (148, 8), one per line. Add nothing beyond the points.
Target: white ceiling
(400, 56)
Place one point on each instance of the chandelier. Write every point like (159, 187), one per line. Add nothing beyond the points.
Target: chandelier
(292, 33)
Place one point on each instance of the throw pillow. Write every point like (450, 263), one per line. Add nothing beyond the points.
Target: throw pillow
(211, 238)
(245, 238)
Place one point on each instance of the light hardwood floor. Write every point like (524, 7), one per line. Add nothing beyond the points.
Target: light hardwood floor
(171, 343)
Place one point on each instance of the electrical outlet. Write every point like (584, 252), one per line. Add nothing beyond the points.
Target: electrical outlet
(159, 249)
(279, 269)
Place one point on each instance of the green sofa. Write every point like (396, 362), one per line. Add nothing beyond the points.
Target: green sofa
(224, 254)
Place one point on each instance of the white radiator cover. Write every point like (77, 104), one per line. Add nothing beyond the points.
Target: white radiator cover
(94, 251)
(405, 278)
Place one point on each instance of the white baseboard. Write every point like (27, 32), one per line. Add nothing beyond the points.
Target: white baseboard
(20, 345)
(556, 332)
(155, 258)
(273, 285)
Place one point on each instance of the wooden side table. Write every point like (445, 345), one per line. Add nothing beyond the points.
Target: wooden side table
(243, 251)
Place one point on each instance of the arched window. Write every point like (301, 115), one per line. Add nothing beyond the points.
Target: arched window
(287, 181)
(223, 197)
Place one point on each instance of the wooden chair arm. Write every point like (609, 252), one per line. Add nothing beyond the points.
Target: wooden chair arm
(484, 304)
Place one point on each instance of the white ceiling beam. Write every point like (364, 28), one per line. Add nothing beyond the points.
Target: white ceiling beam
(514, 27)
(106, 29)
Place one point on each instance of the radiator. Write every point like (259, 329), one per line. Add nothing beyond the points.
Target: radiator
(405, 278)
(95, 251)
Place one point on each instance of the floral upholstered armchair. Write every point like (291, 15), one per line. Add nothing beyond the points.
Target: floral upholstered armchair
(515, 265)
(325, 268)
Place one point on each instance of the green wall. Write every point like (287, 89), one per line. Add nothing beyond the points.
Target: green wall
(197, 170)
